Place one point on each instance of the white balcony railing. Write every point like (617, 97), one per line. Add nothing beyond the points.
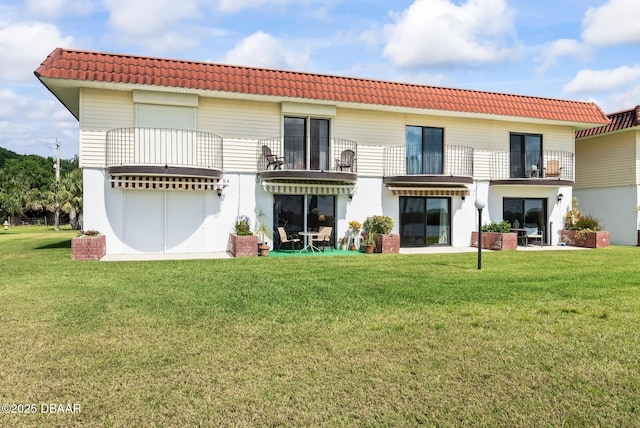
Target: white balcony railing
(163, 147)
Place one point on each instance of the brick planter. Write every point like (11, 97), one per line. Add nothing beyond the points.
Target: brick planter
(592, 240)
(243, 246)
(496, 240)
(88, 247)
(387, 243)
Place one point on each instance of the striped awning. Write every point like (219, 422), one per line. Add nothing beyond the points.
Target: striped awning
(296, 188)
(135, 182)
(428, 191)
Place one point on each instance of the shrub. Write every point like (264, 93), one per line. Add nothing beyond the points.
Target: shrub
(502, 227)
(575, 220)
(379, 224)
(242, 226)
(88, 233)
(588, 222)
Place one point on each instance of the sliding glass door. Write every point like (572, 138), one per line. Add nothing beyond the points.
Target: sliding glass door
(424, 150)
(297, 145)
(424, 221)
(525, 212)
(297, 213)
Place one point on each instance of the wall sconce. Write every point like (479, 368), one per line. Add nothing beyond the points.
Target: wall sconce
(219, 193)
(560, 196)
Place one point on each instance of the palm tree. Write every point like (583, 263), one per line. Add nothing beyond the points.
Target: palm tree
(69, 197)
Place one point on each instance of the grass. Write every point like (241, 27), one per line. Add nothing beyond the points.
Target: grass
(534, 339)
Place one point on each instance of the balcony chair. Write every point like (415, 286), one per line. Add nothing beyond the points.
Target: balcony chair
(276, 161)
(324, 237)
(347, 158)
(288, 239)
(553, 169)
(532, 233)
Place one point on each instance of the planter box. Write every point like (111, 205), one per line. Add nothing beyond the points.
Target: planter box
(496, 240)
(243, 246)
(592, 240)
(387, 243)
(88, 247)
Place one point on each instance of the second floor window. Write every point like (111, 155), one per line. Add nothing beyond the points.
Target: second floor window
(525, 155)
(306, 143)
(424, 151)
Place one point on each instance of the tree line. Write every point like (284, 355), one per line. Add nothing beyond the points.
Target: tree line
(28, 187)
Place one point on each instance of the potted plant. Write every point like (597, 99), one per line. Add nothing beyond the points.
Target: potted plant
(354, 229)
(381, 226)
(369, 242)
(342, 243)
(263, 230)
(582, 230)
(242, 241)
(88, 245)
(496, 236)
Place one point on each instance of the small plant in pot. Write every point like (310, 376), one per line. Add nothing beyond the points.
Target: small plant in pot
(369, 242)
(263, 230)
(380, 226)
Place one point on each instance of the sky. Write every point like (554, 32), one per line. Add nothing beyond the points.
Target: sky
(586, 50)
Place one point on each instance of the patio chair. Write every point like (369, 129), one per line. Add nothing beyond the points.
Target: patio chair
(276, 161)
(553, 168)
(288, 239)
(346, 161)
(532, 233)
(324, 237)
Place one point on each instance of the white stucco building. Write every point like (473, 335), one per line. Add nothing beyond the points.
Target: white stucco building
(173, 151)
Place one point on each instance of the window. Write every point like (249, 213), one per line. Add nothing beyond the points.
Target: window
(306, 142)
(525, 155)
(424, 150)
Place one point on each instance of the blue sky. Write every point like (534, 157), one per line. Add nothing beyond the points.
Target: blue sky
(569, 49)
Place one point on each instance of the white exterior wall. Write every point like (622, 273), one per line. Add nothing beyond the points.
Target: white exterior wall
(617, 209)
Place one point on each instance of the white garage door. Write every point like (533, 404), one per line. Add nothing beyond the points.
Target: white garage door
(153, 225)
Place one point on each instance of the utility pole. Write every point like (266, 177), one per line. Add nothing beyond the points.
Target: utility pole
(56, 166)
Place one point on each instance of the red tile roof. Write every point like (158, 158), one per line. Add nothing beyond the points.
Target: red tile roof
(105, 67)
(621, 120)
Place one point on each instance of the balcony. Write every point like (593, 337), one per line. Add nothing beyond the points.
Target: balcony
(310, 163)
(159, 158)
(553, 168)
(408, 171)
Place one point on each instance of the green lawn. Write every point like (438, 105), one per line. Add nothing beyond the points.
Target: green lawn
(534, 339)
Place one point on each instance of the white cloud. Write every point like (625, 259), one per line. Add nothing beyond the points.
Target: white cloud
(263, 50)
(237, 5)
(24, 45)
(28, 122)
(551, 52)
(441, 32)
(593, 81)
(615, 22)
(55, 8)
(149, 17)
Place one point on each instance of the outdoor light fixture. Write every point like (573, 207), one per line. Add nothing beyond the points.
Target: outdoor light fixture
(480, 204)
(219, 193)
(560, 196)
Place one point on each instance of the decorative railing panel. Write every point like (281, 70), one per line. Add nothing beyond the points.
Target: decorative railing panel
(550, 164)
(308, 154)
(411, 160)
(163, 147)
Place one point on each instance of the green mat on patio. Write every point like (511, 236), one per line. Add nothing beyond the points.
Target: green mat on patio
(327, 252)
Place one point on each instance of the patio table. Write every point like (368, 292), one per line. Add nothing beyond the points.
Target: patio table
(308, 241)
